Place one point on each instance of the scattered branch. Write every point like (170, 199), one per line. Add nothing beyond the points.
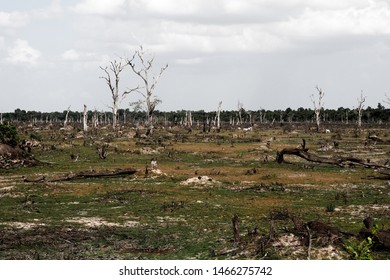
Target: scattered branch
(85, 175)
(340, 161)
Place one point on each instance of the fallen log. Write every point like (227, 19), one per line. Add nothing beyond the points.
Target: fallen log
(85, 175)
(339, 160)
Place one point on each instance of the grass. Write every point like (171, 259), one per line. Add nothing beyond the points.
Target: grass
(158, 217)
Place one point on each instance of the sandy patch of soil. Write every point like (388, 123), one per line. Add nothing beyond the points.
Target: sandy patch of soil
(98, 222)
(291, 245)
(21, 225)
(200, 180)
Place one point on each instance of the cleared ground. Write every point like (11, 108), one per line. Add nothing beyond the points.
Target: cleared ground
(184, 209)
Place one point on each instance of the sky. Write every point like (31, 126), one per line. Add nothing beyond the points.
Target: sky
(263, 54)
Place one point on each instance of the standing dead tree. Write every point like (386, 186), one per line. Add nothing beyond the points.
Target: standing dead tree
(219, 117)
(85, 119)
(387, 100)
(144, 70)
(318, 105)
(360, 108)
(240, 108)
(66, 117)
(112, 79)
(188, 121)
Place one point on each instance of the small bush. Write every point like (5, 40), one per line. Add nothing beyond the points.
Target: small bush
(8, 135)
(330, 207)
(359, 250)
(35, 136)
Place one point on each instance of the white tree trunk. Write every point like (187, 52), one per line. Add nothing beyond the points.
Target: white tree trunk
(145, 72)
(219, 116)
(85, 119)
(360, 107)
(318, 106)
(115, 68)
(66, 117)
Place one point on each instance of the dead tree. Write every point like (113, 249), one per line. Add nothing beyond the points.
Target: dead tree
(85, 175)
(387, 100)
(112, 79)
(66, 117)
(188, 120)
(144, 70)
(85, 119)
(318, 105)
(360, 107)
(341, 161)
(95, 119)
(240, 110)
(219, 117)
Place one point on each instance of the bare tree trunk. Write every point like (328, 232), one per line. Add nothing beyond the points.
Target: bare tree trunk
(66, 117)
(95, 119)
(85, 119)
(318, 106)
(87, 175)
(387, 100)
(219, 117)
(115, 68)
(188, 121)
(240, 108)
(360, 107)
(145, 72)
(340, 161)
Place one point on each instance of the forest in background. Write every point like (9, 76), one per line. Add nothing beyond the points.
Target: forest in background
(377, 115)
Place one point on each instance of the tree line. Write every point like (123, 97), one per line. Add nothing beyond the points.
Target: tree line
(380, 114)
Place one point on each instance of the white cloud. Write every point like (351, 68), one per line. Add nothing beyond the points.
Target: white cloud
(70, 55)
(175, 7)
(189, 61)
(23, 53)
(100, 7)
(372, 19)
(13, 19)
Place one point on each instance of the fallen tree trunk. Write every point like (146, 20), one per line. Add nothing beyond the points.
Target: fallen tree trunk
(86, 175)
(340, 161)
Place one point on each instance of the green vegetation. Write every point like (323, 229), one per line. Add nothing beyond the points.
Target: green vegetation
(8, 135)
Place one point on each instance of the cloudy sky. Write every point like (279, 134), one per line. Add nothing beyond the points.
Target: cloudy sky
(268, 54)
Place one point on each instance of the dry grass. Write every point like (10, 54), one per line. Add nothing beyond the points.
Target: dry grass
(185, 211)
